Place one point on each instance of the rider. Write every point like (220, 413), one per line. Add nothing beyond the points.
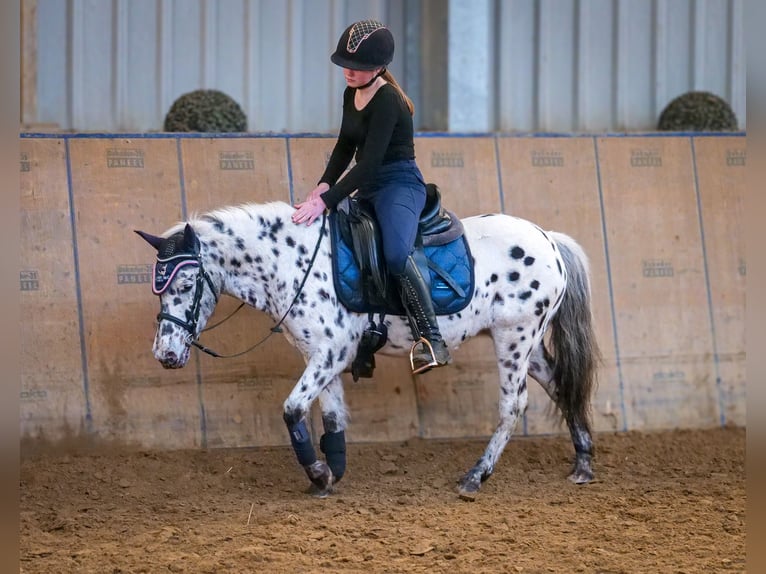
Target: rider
(377, 126)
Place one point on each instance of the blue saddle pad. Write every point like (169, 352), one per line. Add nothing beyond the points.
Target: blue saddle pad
(450, 266)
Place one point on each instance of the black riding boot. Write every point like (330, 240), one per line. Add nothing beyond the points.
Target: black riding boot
(429, 349)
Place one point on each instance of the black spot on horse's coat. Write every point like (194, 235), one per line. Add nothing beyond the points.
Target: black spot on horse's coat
(328, 333)
(535, 284)
(523, 386)
(248, 259)
(342, 354)
(505, 391)
(497, 299)
(275, 251)
(507, 363)
(176, 300)
(221, 261)
(167, 329)
(513, 276)
(235, 262)
(512, 347)
(302, 250)
(330, 361)
(217, 225)
(493, 278)
(519, 328)
(517, 252)
(323, 294)
(277, 225)
(304, 387)
(525, 295)
(290, 241)
(516, 355)
(258, 259)
(529, 260)
(240, 243)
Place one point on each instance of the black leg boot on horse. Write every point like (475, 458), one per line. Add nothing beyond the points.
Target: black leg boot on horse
(429, 349)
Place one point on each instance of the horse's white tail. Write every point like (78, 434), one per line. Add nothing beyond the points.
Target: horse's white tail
(575, 350)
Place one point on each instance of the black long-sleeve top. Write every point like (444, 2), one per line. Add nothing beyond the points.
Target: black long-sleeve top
(380, 133)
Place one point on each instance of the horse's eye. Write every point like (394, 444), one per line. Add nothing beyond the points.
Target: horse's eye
(186, 287)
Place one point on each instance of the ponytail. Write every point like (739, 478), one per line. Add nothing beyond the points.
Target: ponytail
(389, 77)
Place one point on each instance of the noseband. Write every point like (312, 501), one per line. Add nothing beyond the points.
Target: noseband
(192, 314)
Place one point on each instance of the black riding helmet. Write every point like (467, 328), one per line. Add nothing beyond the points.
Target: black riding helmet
(364, 45)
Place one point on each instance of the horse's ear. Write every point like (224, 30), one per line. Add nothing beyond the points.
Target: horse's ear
(191, 243)
(152, 240)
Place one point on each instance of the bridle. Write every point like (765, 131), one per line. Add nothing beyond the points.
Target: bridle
(192, 314)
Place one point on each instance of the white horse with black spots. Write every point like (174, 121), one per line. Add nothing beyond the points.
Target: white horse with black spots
(527, 281)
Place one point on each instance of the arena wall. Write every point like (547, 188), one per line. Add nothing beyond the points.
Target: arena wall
(659, 215)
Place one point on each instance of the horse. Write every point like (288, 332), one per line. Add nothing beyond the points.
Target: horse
(529, 283)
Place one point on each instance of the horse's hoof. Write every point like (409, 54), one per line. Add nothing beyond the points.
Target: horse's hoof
(469, 487)
(317, 492)
(321, 478)
(581, 476)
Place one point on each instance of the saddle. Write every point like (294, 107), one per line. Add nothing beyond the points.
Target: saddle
(363, 283)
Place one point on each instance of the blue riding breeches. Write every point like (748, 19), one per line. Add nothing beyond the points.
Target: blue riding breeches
(398, 196)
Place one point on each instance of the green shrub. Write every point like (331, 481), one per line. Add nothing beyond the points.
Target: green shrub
(209, 111)
(698, 112)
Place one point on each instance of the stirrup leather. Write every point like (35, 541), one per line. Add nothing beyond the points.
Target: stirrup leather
(431, 364)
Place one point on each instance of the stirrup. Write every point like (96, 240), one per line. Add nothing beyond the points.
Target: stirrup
(431, 364)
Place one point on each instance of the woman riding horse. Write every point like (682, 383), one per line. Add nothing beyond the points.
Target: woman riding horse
(377, 126)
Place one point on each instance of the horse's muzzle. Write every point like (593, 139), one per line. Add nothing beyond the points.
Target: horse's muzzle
(171, 360)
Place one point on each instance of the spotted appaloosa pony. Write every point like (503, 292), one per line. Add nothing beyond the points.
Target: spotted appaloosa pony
(526, 280)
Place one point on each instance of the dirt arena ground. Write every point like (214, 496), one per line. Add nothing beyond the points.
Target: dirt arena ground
(671, 502)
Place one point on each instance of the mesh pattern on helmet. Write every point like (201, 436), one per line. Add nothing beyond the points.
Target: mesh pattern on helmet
(360, 32)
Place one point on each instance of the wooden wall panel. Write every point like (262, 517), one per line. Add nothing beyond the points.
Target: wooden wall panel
(120, 185)
(720, 163)
(554, 183)
(243, 395)
(52, 402)
(461, 400)
(465, 169)
(669, 250)
(660, 296)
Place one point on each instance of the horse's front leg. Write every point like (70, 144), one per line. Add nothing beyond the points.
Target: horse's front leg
(320, 371)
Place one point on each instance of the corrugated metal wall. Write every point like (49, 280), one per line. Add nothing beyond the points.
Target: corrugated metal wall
(562, 65)
(613, 65)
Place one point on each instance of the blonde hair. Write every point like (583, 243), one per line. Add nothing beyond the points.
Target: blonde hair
(389, 77)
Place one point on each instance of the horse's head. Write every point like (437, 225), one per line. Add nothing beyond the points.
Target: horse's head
(187, 295)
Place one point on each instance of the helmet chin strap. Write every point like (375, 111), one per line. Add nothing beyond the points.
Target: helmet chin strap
(372, 81)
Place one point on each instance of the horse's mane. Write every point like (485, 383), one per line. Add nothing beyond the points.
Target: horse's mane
(229, 213)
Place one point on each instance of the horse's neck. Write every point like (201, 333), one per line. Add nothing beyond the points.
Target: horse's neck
(263, 273)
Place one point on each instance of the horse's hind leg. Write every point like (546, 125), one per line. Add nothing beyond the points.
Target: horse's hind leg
(541, 369)
(334, 420)
(512, 357)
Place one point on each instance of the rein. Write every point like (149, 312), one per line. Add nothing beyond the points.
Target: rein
(275, 329)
